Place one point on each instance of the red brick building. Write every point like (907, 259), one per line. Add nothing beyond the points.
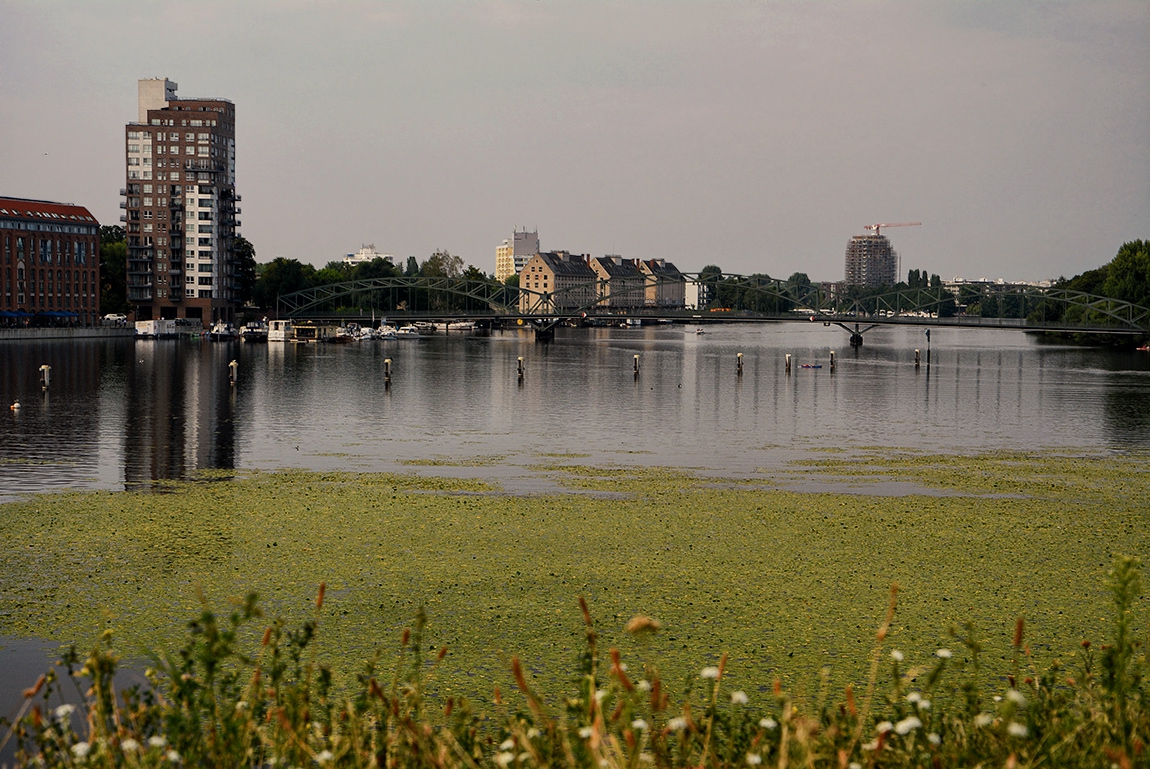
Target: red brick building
(180, 206)
(49, 263)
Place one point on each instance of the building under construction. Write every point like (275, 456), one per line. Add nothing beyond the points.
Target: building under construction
(871, 261)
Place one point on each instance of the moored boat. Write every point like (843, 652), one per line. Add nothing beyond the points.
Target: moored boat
(255, 331)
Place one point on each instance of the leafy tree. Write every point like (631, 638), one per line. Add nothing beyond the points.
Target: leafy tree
(442, 264)
(113, 270)
(245, 268)
(512, 280)
(412, 268)
(281, 276)
(799, 280)
(709, 278)
(1129, 275)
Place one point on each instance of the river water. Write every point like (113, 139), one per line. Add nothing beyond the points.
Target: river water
(120, 414)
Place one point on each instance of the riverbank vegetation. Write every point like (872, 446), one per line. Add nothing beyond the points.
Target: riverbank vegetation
(218, 702)
(746, 575)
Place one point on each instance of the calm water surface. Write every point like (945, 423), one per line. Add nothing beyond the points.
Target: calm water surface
(123, 413)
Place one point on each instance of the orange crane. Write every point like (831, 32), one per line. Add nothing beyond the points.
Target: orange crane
(878, 227)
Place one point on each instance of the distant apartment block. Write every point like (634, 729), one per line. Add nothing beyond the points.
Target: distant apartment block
(180, 206)
(566, 282)
(666, 286)
(620, 285)
(513, 254)
(366, 255)
(871, 261)
(50, 262)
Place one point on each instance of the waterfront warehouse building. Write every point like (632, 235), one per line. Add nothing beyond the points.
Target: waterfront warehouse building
(180, 206)
(620, 283)
(871, 261)
(50, 263)
(513, 254)
(666, 286)
(557, 280)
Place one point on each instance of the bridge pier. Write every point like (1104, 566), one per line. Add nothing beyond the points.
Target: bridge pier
(856, 339)
(544, 333)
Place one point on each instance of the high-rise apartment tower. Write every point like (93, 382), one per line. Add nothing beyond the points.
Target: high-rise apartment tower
(515, 252)
(871, 261)
(180, 206)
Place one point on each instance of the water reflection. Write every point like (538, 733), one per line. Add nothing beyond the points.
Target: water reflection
(181, 410)
(123, 413)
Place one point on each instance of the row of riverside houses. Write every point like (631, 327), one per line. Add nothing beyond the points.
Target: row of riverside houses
(560, 281)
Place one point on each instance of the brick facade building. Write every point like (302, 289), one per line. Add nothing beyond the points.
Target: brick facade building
(49, 263)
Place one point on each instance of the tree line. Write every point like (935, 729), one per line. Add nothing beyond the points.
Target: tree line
(1126, 277)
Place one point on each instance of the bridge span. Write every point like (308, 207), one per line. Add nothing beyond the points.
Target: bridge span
(725, 298)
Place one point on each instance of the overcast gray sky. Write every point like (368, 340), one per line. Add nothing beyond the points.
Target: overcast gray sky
(755, 135)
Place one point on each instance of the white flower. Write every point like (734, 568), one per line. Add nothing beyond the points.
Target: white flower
(854, 765)
(172, 756)
(241, 706)
(1016, 697)
(508, 744)
(63, 712)
(896, 655)
(324, 756)
(157, 741)
(754, 759)
(883, 727)
(709, 672)
(647, 758)
(934, 738)
(768, 723)
(586, 732)
(924, 705)
(532, 733)
(997, 698)
(640, 725)
(907, 725)
(983, 719)
(80, 749)
(129, 745)
(913, 697)
(644, 685)
(600, 694)
(524, 756)
(872, 745)
(677, 724)
(739, 698)
(503, 759)
(943, 654)
(1015, 729)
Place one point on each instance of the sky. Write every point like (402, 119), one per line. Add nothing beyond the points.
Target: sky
(758, 136)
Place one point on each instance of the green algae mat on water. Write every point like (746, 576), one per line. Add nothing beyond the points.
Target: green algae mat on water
(785, 582)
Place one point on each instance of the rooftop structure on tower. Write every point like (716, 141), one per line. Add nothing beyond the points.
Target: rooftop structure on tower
(515, 252)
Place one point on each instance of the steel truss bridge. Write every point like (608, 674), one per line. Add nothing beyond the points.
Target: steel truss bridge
(728, 298)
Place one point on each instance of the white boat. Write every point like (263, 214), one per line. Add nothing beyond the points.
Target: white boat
(461, 325)
(279, 331)
(222, 331)
(409, 331)
(386, 332)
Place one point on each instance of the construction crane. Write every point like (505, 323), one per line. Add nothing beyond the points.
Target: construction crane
(878, 227)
